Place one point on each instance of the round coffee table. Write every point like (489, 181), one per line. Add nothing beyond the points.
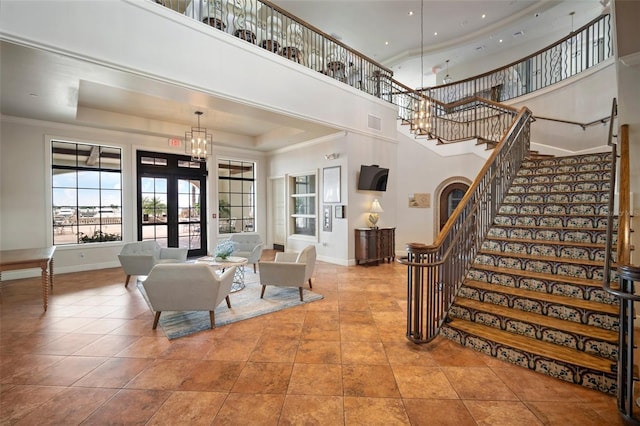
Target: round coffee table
(222, 264)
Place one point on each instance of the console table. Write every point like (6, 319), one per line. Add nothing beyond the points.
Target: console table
(31, 258)
(375, 244)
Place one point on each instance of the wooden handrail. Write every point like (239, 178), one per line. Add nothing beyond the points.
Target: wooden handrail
(461, 205)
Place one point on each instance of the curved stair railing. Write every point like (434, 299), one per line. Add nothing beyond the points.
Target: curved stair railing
(436, 271)
(627, 274)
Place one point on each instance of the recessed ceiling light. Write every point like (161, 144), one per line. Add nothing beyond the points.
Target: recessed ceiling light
(435, 34)
(411, 13)
(484, 16)
(500, 41)
(386, 43)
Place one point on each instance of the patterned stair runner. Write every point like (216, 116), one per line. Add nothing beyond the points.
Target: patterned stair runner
(533, 295)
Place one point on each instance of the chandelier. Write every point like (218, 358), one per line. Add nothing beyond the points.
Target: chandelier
(421, 106)
(198, 142)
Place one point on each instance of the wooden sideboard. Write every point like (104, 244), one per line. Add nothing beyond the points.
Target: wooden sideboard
(375, 244)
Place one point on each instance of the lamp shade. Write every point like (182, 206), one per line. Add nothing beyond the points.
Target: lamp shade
(376, 207)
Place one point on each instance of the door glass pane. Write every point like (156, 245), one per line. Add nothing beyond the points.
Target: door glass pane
(189, 213)
(454, 199)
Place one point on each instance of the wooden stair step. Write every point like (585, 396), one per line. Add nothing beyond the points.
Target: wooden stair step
(533, 318)
(568, 260)
(549, 242)
(602, 216)
(539, 275)
(582, 191)
(538, 347)
(545, 297)
(573, 203)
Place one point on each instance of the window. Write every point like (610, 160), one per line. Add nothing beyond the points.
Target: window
(236, 196)
(303, 205)
(86, 190)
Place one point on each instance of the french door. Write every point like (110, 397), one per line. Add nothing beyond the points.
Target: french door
(172, 201)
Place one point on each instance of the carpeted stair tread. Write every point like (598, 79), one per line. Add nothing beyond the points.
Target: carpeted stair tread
(550, 228)
(547, 297)
(569, 260)
(550, 242)
(523, 343)
(539, 275)
(544, 320)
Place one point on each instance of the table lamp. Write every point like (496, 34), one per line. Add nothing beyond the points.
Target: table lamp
(373, 212)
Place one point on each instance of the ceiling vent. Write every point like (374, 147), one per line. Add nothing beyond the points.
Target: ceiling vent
(374, 122)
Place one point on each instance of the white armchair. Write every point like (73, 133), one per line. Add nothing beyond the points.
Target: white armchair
(138, 258)
(248, 245)
(187, 287)
(289, 270)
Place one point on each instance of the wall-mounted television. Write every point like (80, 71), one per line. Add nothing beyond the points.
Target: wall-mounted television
(373, 178)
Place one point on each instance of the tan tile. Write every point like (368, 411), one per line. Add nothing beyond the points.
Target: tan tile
(230, 349)
(423, 382)
(18, 401)
(375, 381)
(354, 332)
(263, 377)
(441, 412)
(146, 347)
(529, 385)
(19, 368)
(316, 379)
(404, 352)
(318, 352)
(478, 383)
(212, 376)
(129, 407)
(274, 350)
(114, 373)
(188, 408)
(363, 353)
(565, 413)
(513, 413)
(195, 349)
(163, 374)
(374, 411)
(312, 410)
(250, 409)
(66, 372)
(72, 406)
(68, 344)
(450, 354)
(107, 345)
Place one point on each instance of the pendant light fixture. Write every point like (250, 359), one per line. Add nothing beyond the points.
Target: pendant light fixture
(447, 78)
(198, 141)
(420, 122)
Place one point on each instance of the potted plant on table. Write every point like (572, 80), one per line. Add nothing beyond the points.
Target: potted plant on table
(224, 249)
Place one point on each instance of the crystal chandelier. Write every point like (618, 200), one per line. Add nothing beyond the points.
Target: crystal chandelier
(421, 106)
(198, 142)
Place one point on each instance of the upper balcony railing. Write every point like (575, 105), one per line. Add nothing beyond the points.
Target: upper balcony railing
(274, 29)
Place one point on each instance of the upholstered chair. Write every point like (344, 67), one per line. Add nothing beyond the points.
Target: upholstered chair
(187, 287)
(138, 258)
(248, 245)
(289, 270)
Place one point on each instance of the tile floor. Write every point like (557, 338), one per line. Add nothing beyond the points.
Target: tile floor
(93, 359)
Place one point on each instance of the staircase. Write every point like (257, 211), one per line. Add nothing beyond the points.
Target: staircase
(534, 295)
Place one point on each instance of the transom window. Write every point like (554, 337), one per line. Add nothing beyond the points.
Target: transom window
(303, 205)
(86, 185)
(236, 196)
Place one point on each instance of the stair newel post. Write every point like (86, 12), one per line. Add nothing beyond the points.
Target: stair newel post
(628, 275)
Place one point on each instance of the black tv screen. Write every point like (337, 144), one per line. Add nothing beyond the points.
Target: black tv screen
(373, 178)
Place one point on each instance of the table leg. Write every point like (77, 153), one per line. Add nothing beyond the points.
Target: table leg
(51, 274)
(45, 286)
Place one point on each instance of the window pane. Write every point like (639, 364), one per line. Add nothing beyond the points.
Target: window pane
(84, 213)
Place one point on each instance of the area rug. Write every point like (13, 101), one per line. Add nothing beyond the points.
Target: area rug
(245, 304)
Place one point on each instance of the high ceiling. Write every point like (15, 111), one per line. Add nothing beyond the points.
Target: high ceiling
(47, 86)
